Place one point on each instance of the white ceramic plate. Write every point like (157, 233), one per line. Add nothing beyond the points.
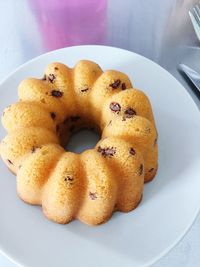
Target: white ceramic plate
(170, 203)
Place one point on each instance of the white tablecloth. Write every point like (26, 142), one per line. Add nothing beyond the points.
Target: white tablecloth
(153, 28)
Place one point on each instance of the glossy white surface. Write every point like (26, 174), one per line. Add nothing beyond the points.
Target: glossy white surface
(170, 202)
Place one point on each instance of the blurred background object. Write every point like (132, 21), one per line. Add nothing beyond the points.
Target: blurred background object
(195, 19)
(64, 23)
(29, 28)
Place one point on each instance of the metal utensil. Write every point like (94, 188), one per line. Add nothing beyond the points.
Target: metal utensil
(192, 75)
(194, 14)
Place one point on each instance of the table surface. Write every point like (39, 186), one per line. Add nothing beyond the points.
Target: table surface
(159, 30)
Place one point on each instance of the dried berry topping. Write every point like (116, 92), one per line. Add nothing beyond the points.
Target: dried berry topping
(33, 149)
(44, 78)
(93, 196)
(56, 93)
(129, 113)
(53, 115)
(132, 151)
(51, 77)
(115, 107)
(56, 68)
(123, 86)
(152, 169)
(116, 84)
(84, 90)
(57, 128)
(9, 161)
(107, 152)
(69, 179)
(74, 118)
(141, 169)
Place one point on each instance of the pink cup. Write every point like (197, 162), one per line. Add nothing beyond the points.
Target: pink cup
(71, 22)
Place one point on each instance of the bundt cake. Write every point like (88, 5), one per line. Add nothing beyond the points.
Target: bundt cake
(91, 185)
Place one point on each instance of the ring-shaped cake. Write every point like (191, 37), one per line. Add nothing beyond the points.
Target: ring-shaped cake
(91, 185)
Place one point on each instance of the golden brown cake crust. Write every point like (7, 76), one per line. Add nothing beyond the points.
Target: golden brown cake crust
(92, 185)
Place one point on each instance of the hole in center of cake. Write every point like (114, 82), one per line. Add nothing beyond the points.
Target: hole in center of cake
(82, 140)
(77, 134)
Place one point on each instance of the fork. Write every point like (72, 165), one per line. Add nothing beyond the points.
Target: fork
(194, 14)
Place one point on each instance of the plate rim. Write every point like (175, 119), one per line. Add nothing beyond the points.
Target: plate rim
(6, 253)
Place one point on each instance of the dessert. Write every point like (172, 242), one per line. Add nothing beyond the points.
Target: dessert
(91, 185)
